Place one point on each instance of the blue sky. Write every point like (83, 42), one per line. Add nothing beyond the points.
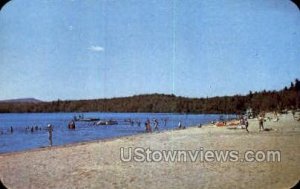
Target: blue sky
(85, 49)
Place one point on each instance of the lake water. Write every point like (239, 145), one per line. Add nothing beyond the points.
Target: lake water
(22, 138)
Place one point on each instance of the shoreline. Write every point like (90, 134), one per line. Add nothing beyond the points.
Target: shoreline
(97, 164)
(99, 140)
(95, 141)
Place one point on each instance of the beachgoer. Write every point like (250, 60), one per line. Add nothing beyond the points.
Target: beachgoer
(165, 120)
(246, 124)
(11, 129)
(32, 129)
(261, 123)
(242, 121)
(138, 123)
(180, 126)
(71, 125)
(155, 124)
(275, 117)
(148, 126)
(50, 129)
(75, 118)
(293, 112)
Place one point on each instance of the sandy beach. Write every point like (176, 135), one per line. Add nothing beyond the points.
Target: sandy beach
(98, 164)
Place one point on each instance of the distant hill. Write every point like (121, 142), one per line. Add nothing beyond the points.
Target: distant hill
(287, 98)
(22, 100)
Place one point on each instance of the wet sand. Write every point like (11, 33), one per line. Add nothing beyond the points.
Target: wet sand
(97, 164)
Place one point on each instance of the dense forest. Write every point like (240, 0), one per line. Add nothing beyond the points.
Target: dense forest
(287, 98)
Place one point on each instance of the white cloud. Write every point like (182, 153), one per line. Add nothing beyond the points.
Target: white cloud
(96, 48)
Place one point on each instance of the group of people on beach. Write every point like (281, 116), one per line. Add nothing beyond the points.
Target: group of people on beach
(138, 123)
(148, 125)
(243, 122)
(261, 119)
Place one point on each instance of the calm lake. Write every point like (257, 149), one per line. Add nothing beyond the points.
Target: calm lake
(25, 137)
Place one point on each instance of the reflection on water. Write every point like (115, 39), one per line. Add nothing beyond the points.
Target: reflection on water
(29, 130)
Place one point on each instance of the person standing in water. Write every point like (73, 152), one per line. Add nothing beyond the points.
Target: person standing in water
(71, 125)
(180, 126)
(50, 129)
(148, 126)
(165, 120)
(155, 124)
(138, 123)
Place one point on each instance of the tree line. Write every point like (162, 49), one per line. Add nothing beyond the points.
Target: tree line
(287, 98)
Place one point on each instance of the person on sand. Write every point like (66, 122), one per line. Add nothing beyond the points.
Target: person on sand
(261, 123)
(275, 117)
(50, 129)
(246, 124)
(242, 121)
(293, 112)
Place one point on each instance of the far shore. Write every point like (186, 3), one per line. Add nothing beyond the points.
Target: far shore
(97, 164)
